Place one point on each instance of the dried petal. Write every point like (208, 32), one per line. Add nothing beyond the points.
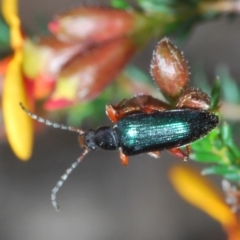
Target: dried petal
(169, 69)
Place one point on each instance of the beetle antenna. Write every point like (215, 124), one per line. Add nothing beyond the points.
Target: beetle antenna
(49, 123)
(64, 178)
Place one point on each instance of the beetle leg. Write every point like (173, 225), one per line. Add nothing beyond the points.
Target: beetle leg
(137, 104)
(123, 158)
(155, 154)
(114, 114)
(149, 104)
(111, 113)
(188, 149)
(177, 152)
(151, 108)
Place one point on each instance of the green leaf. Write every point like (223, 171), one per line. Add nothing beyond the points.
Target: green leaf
(229, 156)
(206, 157)
(234, 149)
(202, 145)
(208, 143)
(4, 35)
(217, 144)
(230, 172)
(166, 5)
(220, 169)
(120, 4)
(163, 6)
(226, 133)
(235, 177)
(215, 94)
(230, 88)
(227, 138)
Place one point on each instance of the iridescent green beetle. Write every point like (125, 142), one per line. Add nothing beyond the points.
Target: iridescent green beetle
(144, 124)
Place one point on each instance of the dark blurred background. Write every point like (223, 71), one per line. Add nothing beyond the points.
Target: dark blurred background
(103, 200)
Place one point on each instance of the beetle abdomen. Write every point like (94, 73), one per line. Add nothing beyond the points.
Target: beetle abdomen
(143, 132)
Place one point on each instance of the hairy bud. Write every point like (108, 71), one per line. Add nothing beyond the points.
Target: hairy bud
(169, 69)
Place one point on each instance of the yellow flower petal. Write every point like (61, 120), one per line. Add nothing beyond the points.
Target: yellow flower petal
(19, 127)
(10, 14)
(198, 191)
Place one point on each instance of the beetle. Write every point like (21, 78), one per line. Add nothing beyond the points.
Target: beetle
(144, 124)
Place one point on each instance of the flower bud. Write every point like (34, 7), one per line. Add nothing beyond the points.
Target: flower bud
(93, 24)
(169, 69)
(194, 98)
(85, 76)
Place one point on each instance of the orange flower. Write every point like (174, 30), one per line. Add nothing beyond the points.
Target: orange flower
(197, 190)
(18, 125)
